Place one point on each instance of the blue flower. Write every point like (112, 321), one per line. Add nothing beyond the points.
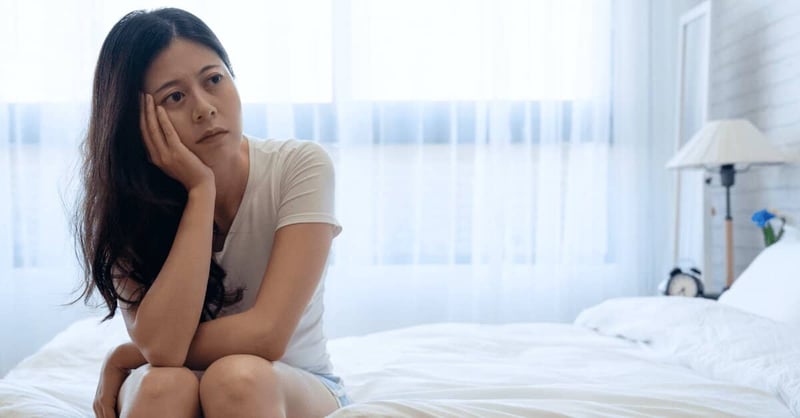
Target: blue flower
(762, 217)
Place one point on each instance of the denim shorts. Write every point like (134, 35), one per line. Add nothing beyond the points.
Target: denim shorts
(334, 384)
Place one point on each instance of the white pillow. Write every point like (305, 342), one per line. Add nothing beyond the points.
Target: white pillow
(770, 285)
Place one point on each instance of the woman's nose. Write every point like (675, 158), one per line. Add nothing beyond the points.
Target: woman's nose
(203, 110)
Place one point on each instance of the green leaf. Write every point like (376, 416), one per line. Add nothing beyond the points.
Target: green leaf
(769, 235)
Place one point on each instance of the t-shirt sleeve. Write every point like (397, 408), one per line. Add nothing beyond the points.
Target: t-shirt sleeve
(307, 187)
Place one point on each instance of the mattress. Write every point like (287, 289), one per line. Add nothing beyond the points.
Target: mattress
(635, 357)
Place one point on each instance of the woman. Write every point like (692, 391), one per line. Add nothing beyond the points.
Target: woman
(212, 244)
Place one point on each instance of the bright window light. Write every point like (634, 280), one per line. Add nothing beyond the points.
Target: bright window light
(474, 49)
(285, 51)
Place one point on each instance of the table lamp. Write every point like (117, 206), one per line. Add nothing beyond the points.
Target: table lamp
(730, 145)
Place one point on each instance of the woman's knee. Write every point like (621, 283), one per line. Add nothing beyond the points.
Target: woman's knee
(174, 382)
(239, 377)
(159, 391)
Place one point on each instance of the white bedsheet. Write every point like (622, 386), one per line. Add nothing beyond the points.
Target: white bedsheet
(714, 339)
(471, 370)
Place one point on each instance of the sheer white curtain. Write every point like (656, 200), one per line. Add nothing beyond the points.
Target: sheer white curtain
(473, 143)
(488, 168)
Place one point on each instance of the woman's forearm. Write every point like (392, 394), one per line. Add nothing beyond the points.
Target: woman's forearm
(295, 268)
(127, 356)
(241, 333)
(167, 317)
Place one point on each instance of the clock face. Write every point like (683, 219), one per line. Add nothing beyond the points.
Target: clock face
(682, 285)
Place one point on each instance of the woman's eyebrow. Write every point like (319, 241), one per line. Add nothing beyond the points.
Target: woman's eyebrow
(174, 82)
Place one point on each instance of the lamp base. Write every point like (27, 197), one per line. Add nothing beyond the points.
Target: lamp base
(728, 175)
(729, 252)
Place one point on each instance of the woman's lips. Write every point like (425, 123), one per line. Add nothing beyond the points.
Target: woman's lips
(212, 136)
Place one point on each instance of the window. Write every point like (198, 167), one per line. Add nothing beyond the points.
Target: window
(471, 49)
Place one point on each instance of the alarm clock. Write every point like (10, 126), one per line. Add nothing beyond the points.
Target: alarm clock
(683, 283)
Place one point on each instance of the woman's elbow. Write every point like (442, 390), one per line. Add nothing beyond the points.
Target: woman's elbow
(270, 346)
(157, 359)
(158, 356)
(275, 354)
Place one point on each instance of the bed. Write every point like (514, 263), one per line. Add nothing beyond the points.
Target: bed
(636, 357)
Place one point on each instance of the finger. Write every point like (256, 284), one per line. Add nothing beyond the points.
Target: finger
(157, 137)
(170, 134)
(148, 142)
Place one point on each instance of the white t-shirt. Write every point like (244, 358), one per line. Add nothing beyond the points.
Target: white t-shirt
(290, 181)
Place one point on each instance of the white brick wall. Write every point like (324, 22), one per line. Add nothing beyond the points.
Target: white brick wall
(755, 74)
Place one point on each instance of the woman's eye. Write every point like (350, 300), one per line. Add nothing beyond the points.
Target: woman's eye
(216, 78)
(174, 97)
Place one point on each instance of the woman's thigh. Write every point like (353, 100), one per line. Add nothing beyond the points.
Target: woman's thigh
(306, 396)
(159, 391)
(300, 393)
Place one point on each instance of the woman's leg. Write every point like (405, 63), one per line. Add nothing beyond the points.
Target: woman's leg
(159, 392)
(248, 386)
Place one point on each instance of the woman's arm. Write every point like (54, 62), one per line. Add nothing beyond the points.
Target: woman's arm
(295, 265)
(115, 370)
(163, 324)
(165, 321)
(298, 258)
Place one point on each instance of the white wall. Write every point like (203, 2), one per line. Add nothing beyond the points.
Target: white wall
(755, 74)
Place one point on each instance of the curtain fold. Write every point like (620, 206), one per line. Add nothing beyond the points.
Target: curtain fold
(487, 166)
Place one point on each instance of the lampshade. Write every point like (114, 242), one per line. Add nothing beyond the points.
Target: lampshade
(729, 141)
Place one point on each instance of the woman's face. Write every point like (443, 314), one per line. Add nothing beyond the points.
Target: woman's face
(191, 82)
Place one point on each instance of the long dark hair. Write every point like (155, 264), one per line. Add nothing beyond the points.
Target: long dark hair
(129, 210)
